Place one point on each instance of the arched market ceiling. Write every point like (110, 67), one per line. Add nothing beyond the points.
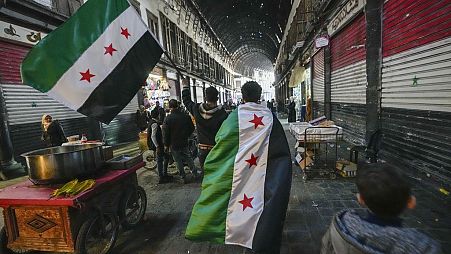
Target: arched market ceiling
(251, 30)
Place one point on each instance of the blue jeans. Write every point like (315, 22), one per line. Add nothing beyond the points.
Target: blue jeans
(183, 155)
(162, 164)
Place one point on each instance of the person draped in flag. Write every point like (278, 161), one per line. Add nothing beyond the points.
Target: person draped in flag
(247, 180)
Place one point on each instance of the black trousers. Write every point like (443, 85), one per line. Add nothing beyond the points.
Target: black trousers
(203, 153)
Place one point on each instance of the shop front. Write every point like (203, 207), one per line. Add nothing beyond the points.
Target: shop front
(348, 70)
(297, 83)
(318, 83)
(158, 88)
(416, 86)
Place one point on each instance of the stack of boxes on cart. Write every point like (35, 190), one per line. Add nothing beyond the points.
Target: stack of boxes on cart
(309, 134)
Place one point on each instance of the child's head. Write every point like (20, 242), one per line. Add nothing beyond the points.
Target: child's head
(384, 190)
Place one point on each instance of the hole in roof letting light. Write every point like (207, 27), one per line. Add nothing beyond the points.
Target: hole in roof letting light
(261, 6)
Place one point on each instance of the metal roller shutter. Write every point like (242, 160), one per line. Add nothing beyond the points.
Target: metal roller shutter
(25, 104)
(11, 56)
(123, 128)
(318, 83)
(25, 107)
(348, 80)
(416, 85)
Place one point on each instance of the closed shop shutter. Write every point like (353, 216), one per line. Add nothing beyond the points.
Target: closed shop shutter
(25, 104)
(123, 128)
(11, 55)
(318, 83)
(416, 85)
(25, 107)
(348, 80)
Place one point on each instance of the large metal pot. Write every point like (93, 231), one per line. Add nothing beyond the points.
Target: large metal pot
(63, 163)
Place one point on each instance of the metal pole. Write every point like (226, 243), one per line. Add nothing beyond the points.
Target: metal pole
(6, 147)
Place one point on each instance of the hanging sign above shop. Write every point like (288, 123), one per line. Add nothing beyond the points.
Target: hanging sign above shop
(322, 41)
(18, 33)
(171, 75)
(346, 13)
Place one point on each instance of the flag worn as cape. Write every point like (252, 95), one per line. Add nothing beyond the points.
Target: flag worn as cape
(246, 184)
(96, 61)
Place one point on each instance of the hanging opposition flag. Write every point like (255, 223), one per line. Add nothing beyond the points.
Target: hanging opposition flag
(96, 61)
(246, 184)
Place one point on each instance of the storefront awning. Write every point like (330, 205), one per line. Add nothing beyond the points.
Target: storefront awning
(297, 76)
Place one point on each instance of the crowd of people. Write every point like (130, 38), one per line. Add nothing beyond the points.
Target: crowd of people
(382, 190)
(169, 135)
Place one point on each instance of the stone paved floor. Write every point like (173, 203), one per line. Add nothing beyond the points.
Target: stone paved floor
(312, 205)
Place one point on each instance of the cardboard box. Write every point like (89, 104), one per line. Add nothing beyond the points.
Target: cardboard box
(305, 163)
(346, 168)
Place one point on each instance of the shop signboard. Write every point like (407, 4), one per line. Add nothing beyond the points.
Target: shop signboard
(344, 15)
(321, 41)
(20, 34)
(171, 75)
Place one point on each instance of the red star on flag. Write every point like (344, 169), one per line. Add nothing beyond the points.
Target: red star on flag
(257, 121)
(246, 202)
(125, 32)
(86, 76)
(252, 161)
(109, 49)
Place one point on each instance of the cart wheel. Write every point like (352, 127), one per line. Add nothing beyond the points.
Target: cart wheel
(4, 241)
(150, 160)
(332, 176)
(132, 207)
(97, 235)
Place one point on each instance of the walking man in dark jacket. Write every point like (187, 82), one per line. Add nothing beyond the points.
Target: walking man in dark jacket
(155, 143)
(209, 117)
(160, 111)
(177, 128)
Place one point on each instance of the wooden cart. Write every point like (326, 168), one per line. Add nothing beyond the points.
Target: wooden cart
(86, 223)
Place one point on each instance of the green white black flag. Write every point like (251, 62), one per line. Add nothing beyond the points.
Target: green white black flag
(247, 183)
(96, 61)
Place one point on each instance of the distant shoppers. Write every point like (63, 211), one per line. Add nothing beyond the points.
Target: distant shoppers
(52, 132)
(160, 111)
(142, 118)
(177, 128)
(155, 143)
(378, 229)
(292, 111)
(208, 117)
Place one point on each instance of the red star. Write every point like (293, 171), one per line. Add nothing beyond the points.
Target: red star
(257, 121)
(246, 202)
(125, 32)
(252, 161)
(86, 76)
(109, 49)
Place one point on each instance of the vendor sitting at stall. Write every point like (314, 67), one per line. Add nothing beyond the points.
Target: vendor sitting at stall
(52, 132)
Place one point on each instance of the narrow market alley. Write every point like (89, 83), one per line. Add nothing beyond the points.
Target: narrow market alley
(158, 126)
(310, 210)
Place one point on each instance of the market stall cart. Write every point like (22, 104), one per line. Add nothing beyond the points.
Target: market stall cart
(85, 223)
(317, 148)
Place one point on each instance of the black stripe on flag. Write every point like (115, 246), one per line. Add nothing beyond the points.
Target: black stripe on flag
(119, 88)
(268, 235)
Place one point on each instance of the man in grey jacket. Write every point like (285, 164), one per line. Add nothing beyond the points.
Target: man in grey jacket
(378, 229)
